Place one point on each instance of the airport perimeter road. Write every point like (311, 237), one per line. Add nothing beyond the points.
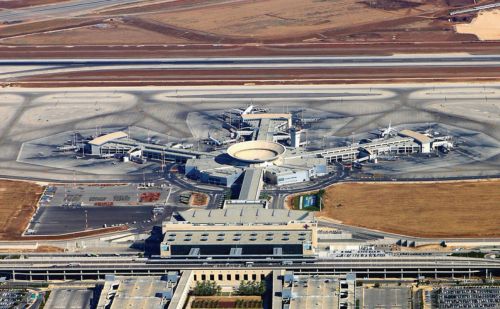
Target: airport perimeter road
(17, 68)
(63, 9)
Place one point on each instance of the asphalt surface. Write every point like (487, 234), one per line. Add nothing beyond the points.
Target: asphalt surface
(30, 67)
(50, 11)
(55, 220)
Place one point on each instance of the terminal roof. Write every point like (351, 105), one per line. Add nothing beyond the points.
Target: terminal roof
(101, 140)
(421, 138)
(252, 181)
(244, 215)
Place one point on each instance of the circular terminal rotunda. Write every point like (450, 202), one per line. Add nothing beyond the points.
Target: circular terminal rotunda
(256, 151)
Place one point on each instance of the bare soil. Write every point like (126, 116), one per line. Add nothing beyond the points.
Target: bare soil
(249, 22)
(485, 26)
(99, 33)
(198, 199)
(443, 209)
(18, 202)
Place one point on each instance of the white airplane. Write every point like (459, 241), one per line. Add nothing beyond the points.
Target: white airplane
(387, 131)
(246, 111)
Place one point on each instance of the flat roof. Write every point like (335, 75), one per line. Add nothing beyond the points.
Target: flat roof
(252, 182)
(98, 141)
(266, 116)
(421, 138)
(138, 292)
(245, 237)
(244, 215)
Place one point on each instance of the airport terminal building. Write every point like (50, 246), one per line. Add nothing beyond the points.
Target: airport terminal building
(239, 231)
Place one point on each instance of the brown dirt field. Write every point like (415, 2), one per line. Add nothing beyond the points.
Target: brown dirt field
(114, 32)
(248, 21)
(17, 205)
(272, 18)
(485, 26)
(445, 209)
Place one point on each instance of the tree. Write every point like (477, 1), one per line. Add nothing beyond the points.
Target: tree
(206, 288)
(251, 288)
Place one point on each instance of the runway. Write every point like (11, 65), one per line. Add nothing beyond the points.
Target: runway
(16, 68)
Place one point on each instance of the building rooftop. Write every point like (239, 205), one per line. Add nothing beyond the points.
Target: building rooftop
(238, 237)
(252, 182)
(136, 292)
(98, 141)
(266, 116)
(421, 138)
(244, 216)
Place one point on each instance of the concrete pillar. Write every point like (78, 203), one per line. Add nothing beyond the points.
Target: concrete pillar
(402, 273)
(13, 275)
(435, 273)
(385, 273)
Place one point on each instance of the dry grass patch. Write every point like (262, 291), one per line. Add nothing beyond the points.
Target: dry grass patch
(445, 209)
(279, 18)
(18, 200)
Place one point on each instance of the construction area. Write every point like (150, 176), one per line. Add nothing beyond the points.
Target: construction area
(434, 209)
(18, 202)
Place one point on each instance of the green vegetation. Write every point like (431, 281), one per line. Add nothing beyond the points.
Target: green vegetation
(265, 196)
(205, 303)
(243, 303)
(206, 288)
(472, 254)
(251, 288)
(226, 303)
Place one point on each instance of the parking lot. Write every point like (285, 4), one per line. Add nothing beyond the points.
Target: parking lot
(386, 297)
(9, 298)
(320, 292)
(70, 299)
(468, 297)
(77, 195)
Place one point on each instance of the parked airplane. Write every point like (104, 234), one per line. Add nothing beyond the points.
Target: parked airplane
(246, 111)
(387, 132)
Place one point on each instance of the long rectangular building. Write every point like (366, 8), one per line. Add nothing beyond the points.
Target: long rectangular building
(239, 231)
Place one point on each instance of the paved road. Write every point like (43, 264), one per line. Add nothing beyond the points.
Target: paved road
(29, 67)
(50, 11)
